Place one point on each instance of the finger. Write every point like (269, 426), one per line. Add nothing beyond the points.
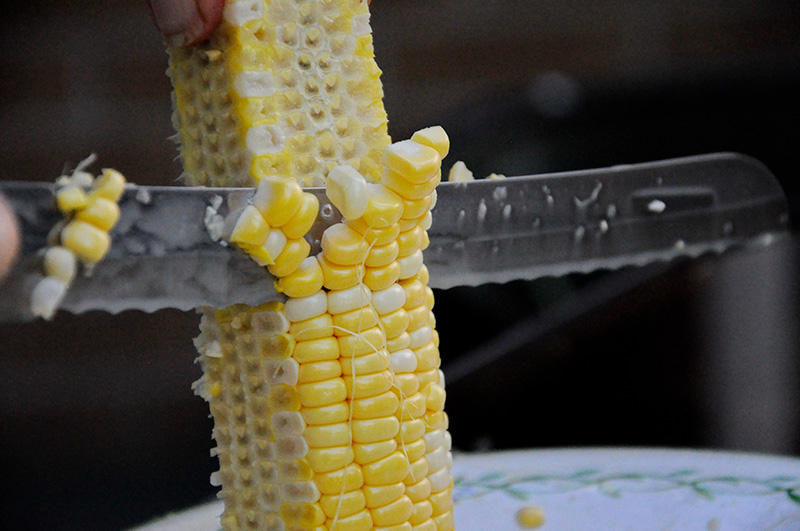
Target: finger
(9, 237)
(186, 22)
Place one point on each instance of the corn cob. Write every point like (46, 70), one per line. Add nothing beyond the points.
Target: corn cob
(328, 409)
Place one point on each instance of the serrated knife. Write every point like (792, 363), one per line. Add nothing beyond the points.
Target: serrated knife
(163, 254)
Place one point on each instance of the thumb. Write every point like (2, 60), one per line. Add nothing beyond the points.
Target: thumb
(186, 22)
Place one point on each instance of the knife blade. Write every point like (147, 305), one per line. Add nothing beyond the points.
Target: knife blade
(164, 252)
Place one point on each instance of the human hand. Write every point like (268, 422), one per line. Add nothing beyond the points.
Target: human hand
(9, 237)
(186, 22)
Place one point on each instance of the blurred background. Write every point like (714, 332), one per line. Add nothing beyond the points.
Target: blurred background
(98, 426)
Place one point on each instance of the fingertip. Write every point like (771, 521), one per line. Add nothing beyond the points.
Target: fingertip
(9, 237)
(186, 22)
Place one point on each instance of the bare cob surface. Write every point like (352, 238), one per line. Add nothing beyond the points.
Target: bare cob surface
(328, 410)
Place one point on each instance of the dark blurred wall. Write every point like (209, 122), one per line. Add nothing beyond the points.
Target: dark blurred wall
(98, 426)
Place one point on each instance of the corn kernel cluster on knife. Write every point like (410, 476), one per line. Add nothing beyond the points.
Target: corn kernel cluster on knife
(164, 255)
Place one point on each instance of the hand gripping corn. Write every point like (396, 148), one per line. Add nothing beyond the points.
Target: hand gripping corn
(328, 409)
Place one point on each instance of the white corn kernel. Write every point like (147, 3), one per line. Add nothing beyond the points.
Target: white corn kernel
(403, 361)
(389, 299)
(439, 479)
(348, 299)
(410, 265)
(460, 172)
(420, 337)
(60, 263)
(437, 458)
(302, 308)
(434, 439)
(47, 295)
(347, 190)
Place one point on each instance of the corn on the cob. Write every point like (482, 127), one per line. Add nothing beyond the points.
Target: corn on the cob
(328, 409)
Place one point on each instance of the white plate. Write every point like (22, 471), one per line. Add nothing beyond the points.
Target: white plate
(614, 489)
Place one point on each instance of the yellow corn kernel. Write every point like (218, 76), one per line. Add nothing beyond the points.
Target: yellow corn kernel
(110, 184)
(304, 281)
(427, 357)
(377, 406)
(445, 521)
(405, 526)
(302, 220)
(414, 406)
(384, 207)
(409, 241)
(331, 414)
(419, 491)
(290, 258)
(101, 212)
(381, 255)
(366, 364)
(267, 252)
(278, 199)
(416, 162)
(415, 208)
(89, 243)
(434, 420)
(358, 344)
(325, 435)
(347, 478)
(415, 450)
(393, 513)
(365, 385)
(329, 459)
(398, 343)
(369, 452)
(347, 191)
(315, 328)
(442, 501)
(343, 505)
(418, 317)
(339, 277)
(322, 393)
(395, 323)
(434, 137)
(412, 430)
(397, 183)
(435, 396)
(317, 350)
(60, 263)
(361, 521)
(415, 293)
(355, 320)
(374, 236)
(318, 370)
(417, 470)
(407, 384)
(375, 430)
(422, 511)
(428, 376)
(386, 471)
(342, 245)
(295, 470)
(250, 227)
(380, 278)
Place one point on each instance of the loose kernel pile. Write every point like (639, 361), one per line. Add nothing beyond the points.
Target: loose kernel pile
(90, 210)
